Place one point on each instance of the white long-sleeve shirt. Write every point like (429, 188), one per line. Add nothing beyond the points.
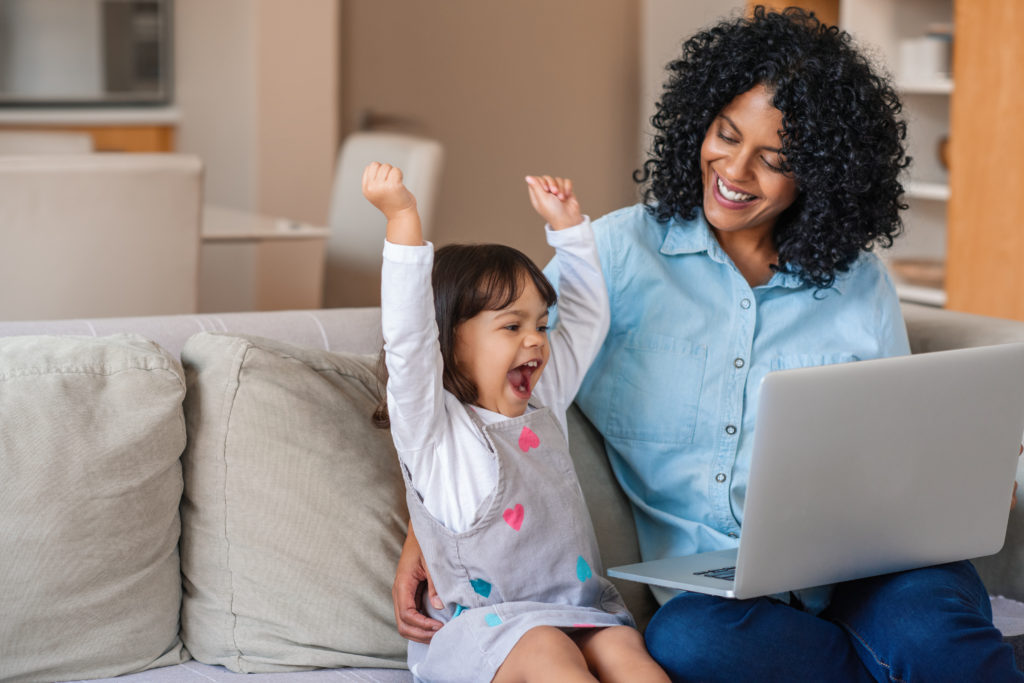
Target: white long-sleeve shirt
(446, 455)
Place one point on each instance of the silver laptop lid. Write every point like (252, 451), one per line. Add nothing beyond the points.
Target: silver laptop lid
(870, 467)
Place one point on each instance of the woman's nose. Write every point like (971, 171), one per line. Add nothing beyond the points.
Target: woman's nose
(738, 165)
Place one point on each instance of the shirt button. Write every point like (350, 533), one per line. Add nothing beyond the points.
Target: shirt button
(745, 303)
(738, 362)
(720, 477)
(730, 429)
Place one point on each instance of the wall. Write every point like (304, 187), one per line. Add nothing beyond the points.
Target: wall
(664, 25)
(297, 106)
(509, 88)
(215, 91)
(256, 82)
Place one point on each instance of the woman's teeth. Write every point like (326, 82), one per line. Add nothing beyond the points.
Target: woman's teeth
(733, 196)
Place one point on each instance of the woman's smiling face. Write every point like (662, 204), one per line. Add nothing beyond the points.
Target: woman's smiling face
(741, 167)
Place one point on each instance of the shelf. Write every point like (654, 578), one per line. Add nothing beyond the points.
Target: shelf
(938, 86)
(929, 296)
(90, 116)
(934, 191)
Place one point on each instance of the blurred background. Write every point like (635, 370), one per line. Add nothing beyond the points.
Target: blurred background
(265, 92)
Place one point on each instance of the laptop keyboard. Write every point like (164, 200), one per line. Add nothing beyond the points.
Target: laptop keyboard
(725, 573)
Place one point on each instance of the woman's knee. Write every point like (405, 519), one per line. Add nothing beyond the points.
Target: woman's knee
(923, 623)
(692, 628)
(946, 591)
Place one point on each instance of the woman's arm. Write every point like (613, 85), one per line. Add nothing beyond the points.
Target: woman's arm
(411, 579)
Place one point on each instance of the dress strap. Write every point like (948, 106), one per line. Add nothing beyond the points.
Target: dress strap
(483, 426)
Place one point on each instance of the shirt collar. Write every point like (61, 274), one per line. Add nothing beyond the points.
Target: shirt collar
(695, 236)
(691, 237)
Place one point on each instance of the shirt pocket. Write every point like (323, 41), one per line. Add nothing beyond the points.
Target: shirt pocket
(656, 393)
(809, 360)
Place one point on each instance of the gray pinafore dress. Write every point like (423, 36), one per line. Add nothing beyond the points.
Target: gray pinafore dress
(530, 559)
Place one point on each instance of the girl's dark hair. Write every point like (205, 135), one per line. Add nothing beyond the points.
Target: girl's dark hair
(842, 138)
(468, 279)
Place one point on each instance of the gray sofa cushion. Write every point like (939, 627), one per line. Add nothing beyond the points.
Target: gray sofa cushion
(91, 432)
(293, 514)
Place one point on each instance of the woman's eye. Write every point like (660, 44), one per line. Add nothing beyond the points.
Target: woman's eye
(774, 167)
(724, 136)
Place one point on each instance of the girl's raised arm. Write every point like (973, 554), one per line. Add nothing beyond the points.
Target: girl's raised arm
(583, 309)
(383, 187)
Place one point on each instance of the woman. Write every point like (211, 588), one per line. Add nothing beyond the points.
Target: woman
(774, 172)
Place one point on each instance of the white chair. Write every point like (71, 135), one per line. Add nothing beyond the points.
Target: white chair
(99, 235)
(45, 142)
(352, 271)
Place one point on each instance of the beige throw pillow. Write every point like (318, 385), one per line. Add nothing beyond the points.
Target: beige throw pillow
(293, 515)
(91, 432)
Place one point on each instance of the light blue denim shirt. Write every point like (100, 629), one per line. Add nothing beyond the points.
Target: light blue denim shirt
(674, 388)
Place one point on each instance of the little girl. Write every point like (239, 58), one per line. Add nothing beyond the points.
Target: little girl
(492, 493)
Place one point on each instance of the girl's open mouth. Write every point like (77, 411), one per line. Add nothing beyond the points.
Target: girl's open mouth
(519, 378)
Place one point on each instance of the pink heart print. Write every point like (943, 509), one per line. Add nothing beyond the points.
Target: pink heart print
(528, 440)
(514, 516)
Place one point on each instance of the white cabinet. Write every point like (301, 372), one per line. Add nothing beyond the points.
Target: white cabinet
(911, 39)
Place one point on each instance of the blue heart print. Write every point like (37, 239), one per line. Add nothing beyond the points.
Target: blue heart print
(583, 569)
(492, 619)
(481, 587)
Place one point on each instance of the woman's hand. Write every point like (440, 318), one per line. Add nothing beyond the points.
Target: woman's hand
(411, 576)
(1013, 500)
(554, 200)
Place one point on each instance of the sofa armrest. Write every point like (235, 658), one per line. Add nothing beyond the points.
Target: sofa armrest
(936, 329)
(933, 329)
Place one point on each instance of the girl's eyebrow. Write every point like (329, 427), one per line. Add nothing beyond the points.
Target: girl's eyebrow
(776, 150)
(521, 314)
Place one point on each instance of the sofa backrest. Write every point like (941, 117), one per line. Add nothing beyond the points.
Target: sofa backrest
(358, 329)
(339, 329)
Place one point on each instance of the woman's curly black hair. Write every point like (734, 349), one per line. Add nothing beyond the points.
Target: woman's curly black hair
(842, 139)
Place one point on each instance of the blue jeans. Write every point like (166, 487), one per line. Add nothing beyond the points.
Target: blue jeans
(932, 624)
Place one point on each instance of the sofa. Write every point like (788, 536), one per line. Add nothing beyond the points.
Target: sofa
(198, 497)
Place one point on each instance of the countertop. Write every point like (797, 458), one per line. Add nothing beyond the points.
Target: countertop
(90, 116)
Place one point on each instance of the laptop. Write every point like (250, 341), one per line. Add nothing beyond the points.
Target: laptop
(866, 468)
